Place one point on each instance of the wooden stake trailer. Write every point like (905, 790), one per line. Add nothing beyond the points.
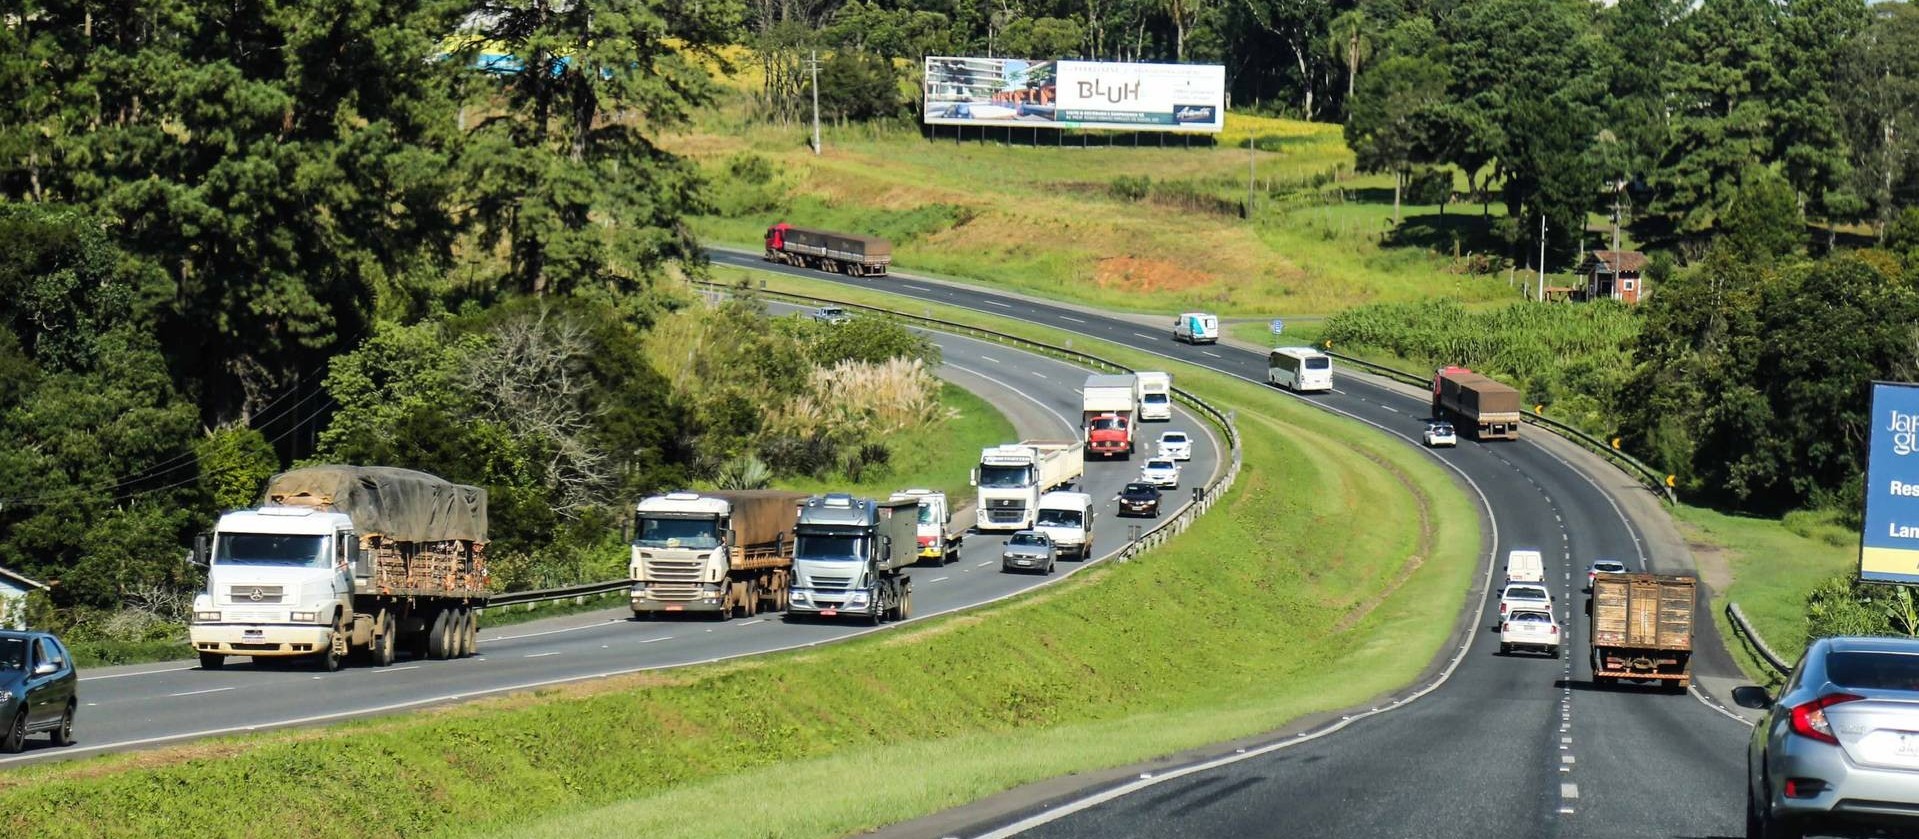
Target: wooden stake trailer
(835, 253)
(1642, 628)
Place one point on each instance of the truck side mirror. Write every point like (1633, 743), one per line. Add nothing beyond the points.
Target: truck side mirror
(973, 479)
(199, 555)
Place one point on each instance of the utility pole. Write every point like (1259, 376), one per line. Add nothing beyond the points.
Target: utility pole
(1252, 155)
(1542, 257)
(813, 65)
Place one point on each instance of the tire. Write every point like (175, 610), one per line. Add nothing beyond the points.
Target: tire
(461, 617)
(752, 605)
(385, 643)
(1049, 567)
(1505, 649)
(212, 661)
(439, 635)
(1768, 827)
(16, 736)
(1555, 652)
(472, 633)
(329, 661)
(63, 736)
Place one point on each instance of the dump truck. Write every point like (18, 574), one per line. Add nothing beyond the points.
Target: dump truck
(1479, 406)
(1642, 628)
(850, 556)
(337, 560)
(728, 552)
(1012, 477)
(939, 539)
(824, 250)
(1109, 412)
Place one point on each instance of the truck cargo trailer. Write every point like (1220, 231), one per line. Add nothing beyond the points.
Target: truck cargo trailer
(824, 250)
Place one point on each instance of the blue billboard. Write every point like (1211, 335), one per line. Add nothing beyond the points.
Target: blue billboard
(1889, 551)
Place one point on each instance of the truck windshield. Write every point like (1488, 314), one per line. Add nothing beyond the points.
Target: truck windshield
(1108, 424)
(1005, 477)
(696, 534)
(926, 514)
(1058, 518)
(824, 547)
(270, 549)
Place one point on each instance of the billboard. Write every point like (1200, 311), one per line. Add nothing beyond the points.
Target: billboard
(1889, 551)
(1075, 94)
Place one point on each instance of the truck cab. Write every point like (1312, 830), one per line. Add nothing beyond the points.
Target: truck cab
(1067, 519)
(280, 583)
(938, 540)
(1155, 396)
(847, 556)
(679, 561)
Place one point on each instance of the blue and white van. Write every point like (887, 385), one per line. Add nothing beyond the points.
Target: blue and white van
(1196, 328)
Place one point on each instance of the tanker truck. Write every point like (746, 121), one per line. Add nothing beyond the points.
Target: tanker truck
(1479, 406)
(343, 559)
(850, 556)
(728, 552)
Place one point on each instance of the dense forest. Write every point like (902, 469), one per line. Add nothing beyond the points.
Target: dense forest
(244, 236)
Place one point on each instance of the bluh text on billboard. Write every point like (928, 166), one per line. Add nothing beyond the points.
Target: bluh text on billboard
(1075, 94)
(1889, 551)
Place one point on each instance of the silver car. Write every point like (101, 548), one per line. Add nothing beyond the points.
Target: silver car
(1839, 748)
(1029, 550)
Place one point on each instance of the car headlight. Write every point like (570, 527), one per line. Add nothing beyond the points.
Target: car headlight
(213, 617)
(306, 617)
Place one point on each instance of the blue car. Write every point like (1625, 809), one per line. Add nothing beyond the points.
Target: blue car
(37, 689)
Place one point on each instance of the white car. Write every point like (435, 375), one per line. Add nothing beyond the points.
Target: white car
(1517, 596)
(832, 314)
(1441, 434)
(1162, 472)
(1529, 629)
(1176, 445)
(1603, 566)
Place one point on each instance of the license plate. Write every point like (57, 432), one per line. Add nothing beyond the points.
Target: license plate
(253, 635)
(676, 608)
(829, 612)
(1908, 746)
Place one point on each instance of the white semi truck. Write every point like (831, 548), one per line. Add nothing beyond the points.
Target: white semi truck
(1155, 396)
(939, 540)
(1012, 477)
(727, 552)
(850, 556)
(339, 559)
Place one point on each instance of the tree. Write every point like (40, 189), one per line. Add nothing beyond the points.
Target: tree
(1763, 222)
(1879, 100)
(1638, 36)
(1724, 82)
(1349, 39)
(858, 86)
(1388, 129)
(1816, 37)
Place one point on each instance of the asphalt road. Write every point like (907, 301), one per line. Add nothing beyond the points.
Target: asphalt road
(124, 708)
(1520, 746)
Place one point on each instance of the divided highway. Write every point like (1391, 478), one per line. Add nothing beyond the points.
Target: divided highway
(123, 708)
(1504, 746)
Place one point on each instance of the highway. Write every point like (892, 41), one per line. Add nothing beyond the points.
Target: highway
(1521, 746)
(142, 706)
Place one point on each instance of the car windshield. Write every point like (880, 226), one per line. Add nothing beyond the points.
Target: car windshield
(13, 653)
(270, 549)
(1609, 567)
(1442, 429)
(695, 534)
(829, 547)
(1005, 477)
(1140, 489)
(1525, 593)
(1030, 539)
(1873, 670)
(1058, 518)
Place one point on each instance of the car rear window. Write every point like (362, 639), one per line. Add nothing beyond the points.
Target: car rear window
(1609, 567)
(1526, 593)
(1873, 671)
(1534, 617)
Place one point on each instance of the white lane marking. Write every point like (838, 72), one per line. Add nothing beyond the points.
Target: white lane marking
(1568, 790)
(1566, 759)
(550, 631)
(1211, 353)
(1143, 335)
(1390, 408)
(989, 358)
(914, 287)
(751, 622)
(141, 673)
(984, 564)
(380, 670)
(996, 303)
(542, 655)
(1071, 318)
(1340, 392)
(1039, 374)
(938, 579)
(198, 692)
(656, 640)
(1070, 426)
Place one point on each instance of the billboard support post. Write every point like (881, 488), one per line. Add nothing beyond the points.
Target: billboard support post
(813, 65)
(1889, 545)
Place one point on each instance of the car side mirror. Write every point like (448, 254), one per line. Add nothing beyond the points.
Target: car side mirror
(1751, 696)
(45, 668)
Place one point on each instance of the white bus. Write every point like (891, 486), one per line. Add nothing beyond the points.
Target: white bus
(1300, 368)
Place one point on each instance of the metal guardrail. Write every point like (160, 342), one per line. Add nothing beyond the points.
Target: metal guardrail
(1651, 477)
(1181, 519)
(516, 598)
(1744, 627)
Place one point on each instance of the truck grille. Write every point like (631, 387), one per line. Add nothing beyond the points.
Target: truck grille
(255, 594)
(673, 591)
(253, 616)
(840, 583)
(673, 570)
(1003, 503)
(1007, 516)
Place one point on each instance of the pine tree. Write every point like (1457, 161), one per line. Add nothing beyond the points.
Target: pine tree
(1724, 83)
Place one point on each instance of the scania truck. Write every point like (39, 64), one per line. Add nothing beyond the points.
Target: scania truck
(728, 553)
(343, 559)
(850, 556)
(1012, 477)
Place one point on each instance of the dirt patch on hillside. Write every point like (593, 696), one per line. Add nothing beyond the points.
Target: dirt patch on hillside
(1131, 273)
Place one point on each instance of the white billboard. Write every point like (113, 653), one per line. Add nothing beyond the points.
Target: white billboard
(1075, 94)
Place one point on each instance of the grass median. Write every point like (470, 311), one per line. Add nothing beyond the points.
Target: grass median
(1333, 572)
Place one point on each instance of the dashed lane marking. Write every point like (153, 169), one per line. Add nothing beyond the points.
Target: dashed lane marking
(542, 655)
(198, 692)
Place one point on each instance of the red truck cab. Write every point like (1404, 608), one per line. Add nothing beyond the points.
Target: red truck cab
(1109, 435)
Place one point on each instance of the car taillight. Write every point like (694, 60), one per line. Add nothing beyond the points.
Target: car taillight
(1555, 629)
(1809, 719)
(1505, 627)
(1502, 608)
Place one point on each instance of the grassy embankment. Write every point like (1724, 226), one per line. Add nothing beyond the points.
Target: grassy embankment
(1146, 229)
(1775, 564)
(1333, 572)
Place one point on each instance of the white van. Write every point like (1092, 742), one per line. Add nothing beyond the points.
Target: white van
(1196, 328)
(1525, 566)
(1155, 396)
(1067, 519)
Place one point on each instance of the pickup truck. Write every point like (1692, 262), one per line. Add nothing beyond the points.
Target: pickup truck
(832, 314)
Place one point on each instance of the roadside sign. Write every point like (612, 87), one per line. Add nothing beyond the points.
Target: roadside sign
(1278, 326)
(1889, 549)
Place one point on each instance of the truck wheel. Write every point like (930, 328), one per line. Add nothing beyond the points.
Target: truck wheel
(439, 635)
(329, 661)
(461, 618)
(906, 607)
(472, 632)
(385, 645)
(751, 604)
(212, 661)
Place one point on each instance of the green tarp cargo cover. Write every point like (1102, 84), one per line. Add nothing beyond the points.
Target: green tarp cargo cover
(400, 504)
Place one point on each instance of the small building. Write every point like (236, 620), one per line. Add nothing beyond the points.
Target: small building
(1614, 274)
(13, 598)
